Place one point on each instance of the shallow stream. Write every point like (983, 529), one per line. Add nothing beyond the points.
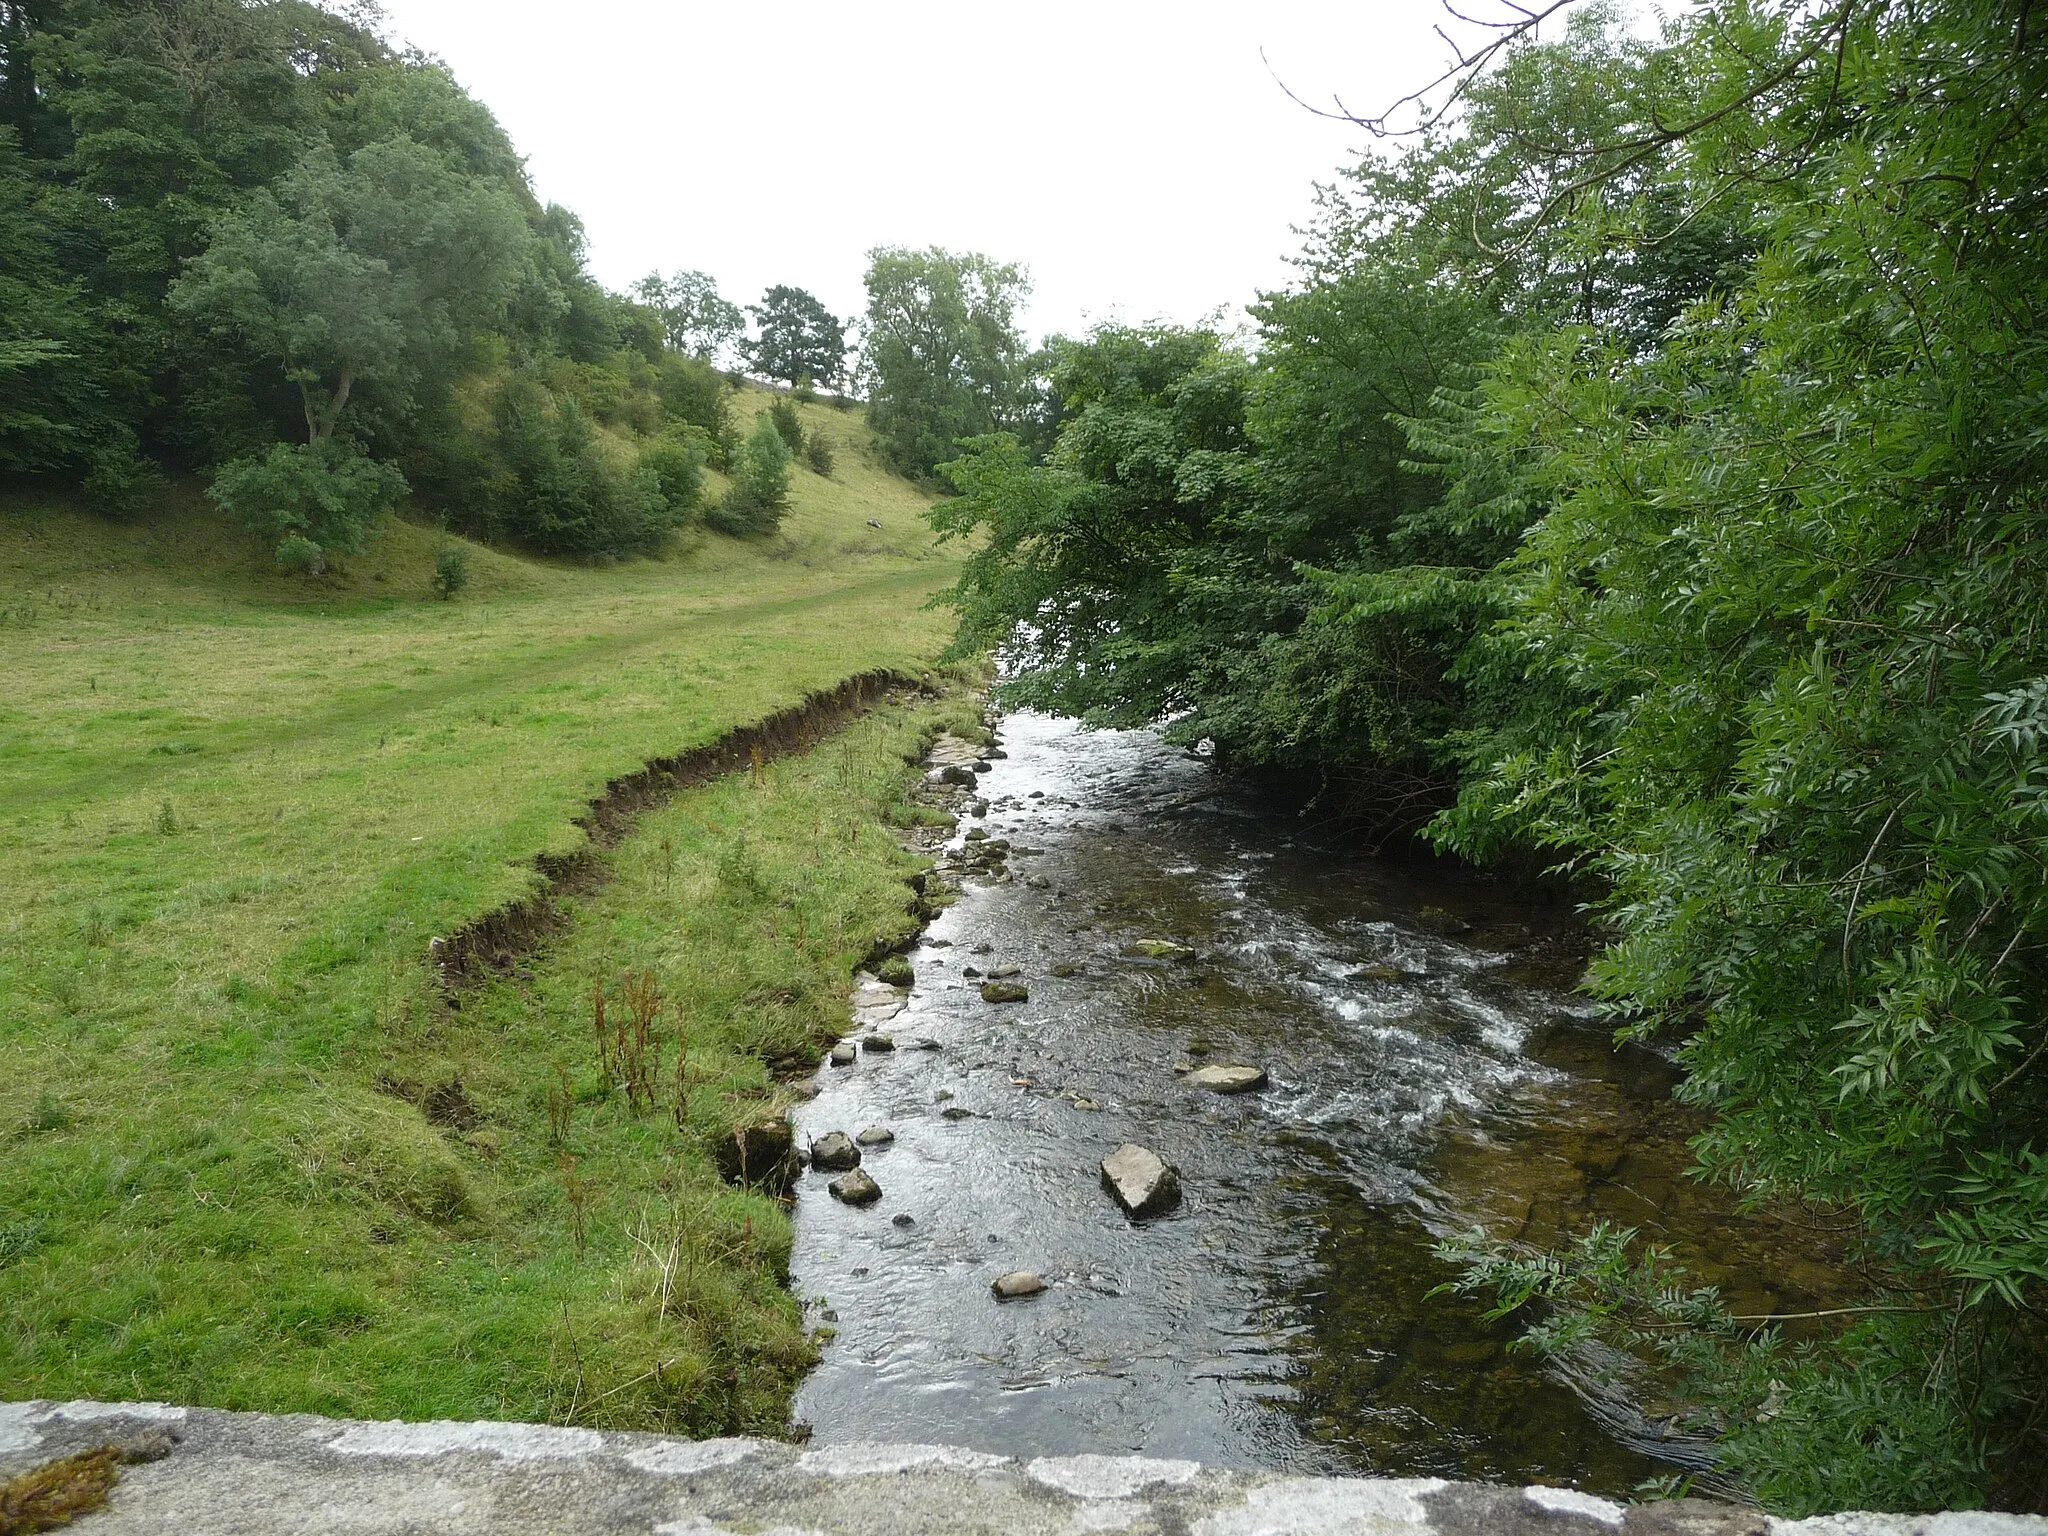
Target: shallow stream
(1430, 1070)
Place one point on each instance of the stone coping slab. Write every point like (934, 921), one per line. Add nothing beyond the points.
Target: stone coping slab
(253, 1474)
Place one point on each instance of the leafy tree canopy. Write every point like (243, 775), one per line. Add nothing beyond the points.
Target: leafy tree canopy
(799, 338)
(943, 358)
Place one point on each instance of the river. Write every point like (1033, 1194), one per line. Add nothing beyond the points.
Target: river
(1430, 1069)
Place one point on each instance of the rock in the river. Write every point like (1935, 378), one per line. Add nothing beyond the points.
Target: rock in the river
(1005, 992)
(855, 1188)
(1226, 1079)
(1383, 973)
(1001, 972)
(953, 773)
(834, 1152)
(1016, 1285)
(1442, 920)
(842, 1054)
(876, 1136)
(1158, 949)
(881, 1044)
(1142, 1184)
(903, 1219)
(1065, 969)
(895, 971)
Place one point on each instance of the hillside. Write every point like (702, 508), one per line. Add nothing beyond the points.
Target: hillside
(251, 1152)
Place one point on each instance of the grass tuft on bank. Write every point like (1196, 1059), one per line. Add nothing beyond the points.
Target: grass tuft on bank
(250, 1153)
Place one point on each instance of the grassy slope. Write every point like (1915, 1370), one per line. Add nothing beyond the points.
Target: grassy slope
(234, 808)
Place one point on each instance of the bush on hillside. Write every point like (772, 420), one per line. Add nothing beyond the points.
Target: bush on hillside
(819, 453)
(694, 392)
(451, 571)
(676, 459)
(788, 425)
(557, 491)
(314, 499)
(760, 486)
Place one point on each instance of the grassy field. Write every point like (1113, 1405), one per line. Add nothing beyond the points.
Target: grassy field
(234, 808)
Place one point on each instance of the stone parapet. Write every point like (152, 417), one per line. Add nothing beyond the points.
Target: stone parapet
(252, 1474)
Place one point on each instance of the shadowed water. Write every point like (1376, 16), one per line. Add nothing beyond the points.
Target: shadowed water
(1425, 1076)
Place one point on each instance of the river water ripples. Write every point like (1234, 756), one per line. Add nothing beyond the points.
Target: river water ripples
(1430, 1070)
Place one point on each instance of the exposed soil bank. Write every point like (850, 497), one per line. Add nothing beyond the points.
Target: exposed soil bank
(496, 941)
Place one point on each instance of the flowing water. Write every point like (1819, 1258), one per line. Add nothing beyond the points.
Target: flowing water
(1430, 1070)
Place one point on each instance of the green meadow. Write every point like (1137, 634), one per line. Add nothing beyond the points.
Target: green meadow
(251, 1153)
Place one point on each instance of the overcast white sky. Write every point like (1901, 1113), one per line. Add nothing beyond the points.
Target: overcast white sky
(1137, 156)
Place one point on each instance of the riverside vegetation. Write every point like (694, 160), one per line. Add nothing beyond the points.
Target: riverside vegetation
(1645, 474)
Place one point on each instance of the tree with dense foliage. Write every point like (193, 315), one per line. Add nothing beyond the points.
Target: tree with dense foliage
(226, 225)
(1648, 461)
(363, 274)
(799, 338)
(694, 318)
(943, 358)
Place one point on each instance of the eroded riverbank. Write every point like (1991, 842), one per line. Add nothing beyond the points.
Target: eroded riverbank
(1429, 1069)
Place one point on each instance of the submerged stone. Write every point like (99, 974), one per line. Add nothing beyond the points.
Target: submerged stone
(1226, 1079)
(1016, 1285)
(1158, 949)
(842, 1054)
(1005, 992)
(876, 1136)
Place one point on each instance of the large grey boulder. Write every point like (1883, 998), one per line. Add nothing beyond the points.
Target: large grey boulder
(1141, 1182)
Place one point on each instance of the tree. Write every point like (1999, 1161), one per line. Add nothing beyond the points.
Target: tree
(943, 358)
(799, 338)
(760, 485)
(694, 318)
(357, 275)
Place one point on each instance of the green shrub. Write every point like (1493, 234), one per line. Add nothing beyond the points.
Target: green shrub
(760, 487)
(788, 425)
(556, 491)
(818, 452)
(803, 389)
(676, 459)
(316, 499)
(451, 571)
(693, 391)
